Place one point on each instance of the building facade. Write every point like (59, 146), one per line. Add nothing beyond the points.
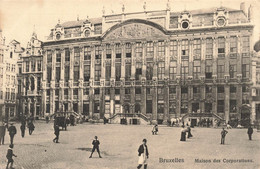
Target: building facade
(155, 64)
(30, 78)
(1, 74)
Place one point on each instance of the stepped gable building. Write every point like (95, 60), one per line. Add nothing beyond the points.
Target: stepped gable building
(153, 65)
(30, 78)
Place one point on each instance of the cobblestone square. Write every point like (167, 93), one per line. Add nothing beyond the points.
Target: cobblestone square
(119, 144)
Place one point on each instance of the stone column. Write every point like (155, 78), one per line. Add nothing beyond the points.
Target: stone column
(190, 58)
(144, 60)
(190, 95)
(178, 100)
(70, 90)
(123, 61)
(215, 56)
(154, 89)
(227, 102)
(154, 101)
(215, 96)
(239, 95)
(133, 69)
(91, 102)
(166, 103)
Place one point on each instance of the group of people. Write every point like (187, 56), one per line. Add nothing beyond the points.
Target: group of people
(184, 131)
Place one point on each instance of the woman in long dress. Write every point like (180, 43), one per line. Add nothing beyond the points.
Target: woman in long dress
(143, 155)
(189, 131)
(183, 134)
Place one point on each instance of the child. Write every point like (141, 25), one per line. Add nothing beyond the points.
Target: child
(95, 144)
(155, 129)
(10, 155)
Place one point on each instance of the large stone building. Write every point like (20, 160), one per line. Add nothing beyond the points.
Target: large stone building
(152, 65)
(1, 73)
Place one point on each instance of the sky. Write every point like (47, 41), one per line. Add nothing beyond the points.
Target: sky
(19, 18)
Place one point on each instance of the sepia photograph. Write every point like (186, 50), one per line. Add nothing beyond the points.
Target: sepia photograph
(126, 84)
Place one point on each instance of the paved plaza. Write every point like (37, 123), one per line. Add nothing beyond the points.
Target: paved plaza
(119, 144)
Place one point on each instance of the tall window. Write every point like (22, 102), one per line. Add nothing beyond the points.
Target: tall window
(149, 50)
(233, 71)
(58, 56)
(76, 54)
(108, 51)
(185, 47)
(98, 52)
(27, 66)
(221, 70)
(67, 73)
(220, 106)
(173, 48)
(209, 48)
(138, 71)
(39, 65)
(33, 65)
(184, 69)
(57, 74)
(108, 71)
(161, 70)
(118, 71)
(86, 73)
(161, 49)
(138, 50)
(149, 70)
(196, 48)
(127, 72)
(67, 55)
(128, 49)
(173, 70)
(118, 51)
(87, 53)
(49, 72)
(245, 45)
(76, 73)
(221, 47)
(97, 72)
(196, 72)
(208, 71)
(233, 44)
(245, 70)
(49, 56)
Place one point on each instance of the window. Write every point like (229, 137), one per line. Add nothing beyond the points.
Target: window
(57, 74)
(196, 49)
(49, 72)
(127, 91)
(245, 88)
(149, 70)
(208, 72)
(67, 73)
(56, 92)
(196, 72)
(66, 92)
(39, 83)
(139, 50)
(127, 72)
(108, 71)
(161, 69)
(75, 92)
(87, 53)
(118, 51)
(185, 47)
(245, 45)
(128, 49)
(33, 65)
(173, 49)
(160, 91)
(221, 89)
(97, 72)
(96, 91)
(117, 91)
(184, 69)
(67, 55)
(49, 56)
(118, 71)
(173, 70)
(232, 71)
(221, 47)
(86, 73)
(209, 48)
(27, 66)
(58, 56)
(11, 54)
(221, 70)
(76, 54)
(208, 89)
(233, 106)
(220, 106)
(148, 90)
(149, 50)
(86, 91)
(233, 89)
(138, 90)
(233, 44)
(138, 71)
(172, 90)
(161, 49)
(108, 51)
(39, 65)
(160, 108)
(245, 70)
(98, 52)
(196, 89)
(48, 92)
(149, 106)
(98, 29)
(76, 73)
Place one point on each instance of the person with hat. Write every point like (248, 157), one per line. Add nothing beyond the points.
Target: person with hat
(143, 155)
(250, 132)
(10, 155)
(22, 129)
(183, 134)
(12, 131)
(223, 135)
(57, 133)
(95, 144)
(2, 133)
(31, 127)
(155, 129)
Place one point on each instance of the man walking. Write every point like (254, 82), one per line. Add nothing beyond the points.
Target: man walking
(12, 131)
(31, 127)
(223, 135)
(9, 156)
(143, 155)
(22, 129)
(57, 133)
(95, 144)
(250, 132)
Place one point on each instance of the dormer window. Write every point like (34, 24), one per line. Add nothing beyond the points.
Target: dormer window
(58, 36)
(87, 33)
(185, 24)
(221, 21)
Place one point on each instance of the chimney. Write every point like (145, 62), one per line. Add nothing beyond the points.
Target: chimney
(243, 7)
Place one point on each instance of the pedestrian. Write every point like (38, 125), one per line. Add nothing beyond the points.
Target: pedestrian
(22, 129)
(31, 127)
(9, 156)
(57, 133)
(155, 129)
(189, 131)
(95, 144)
(143, 155)
(183, 134)
(2, 134)
(47, 119)
(12, 131)
(250, 132)
(223, 135)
